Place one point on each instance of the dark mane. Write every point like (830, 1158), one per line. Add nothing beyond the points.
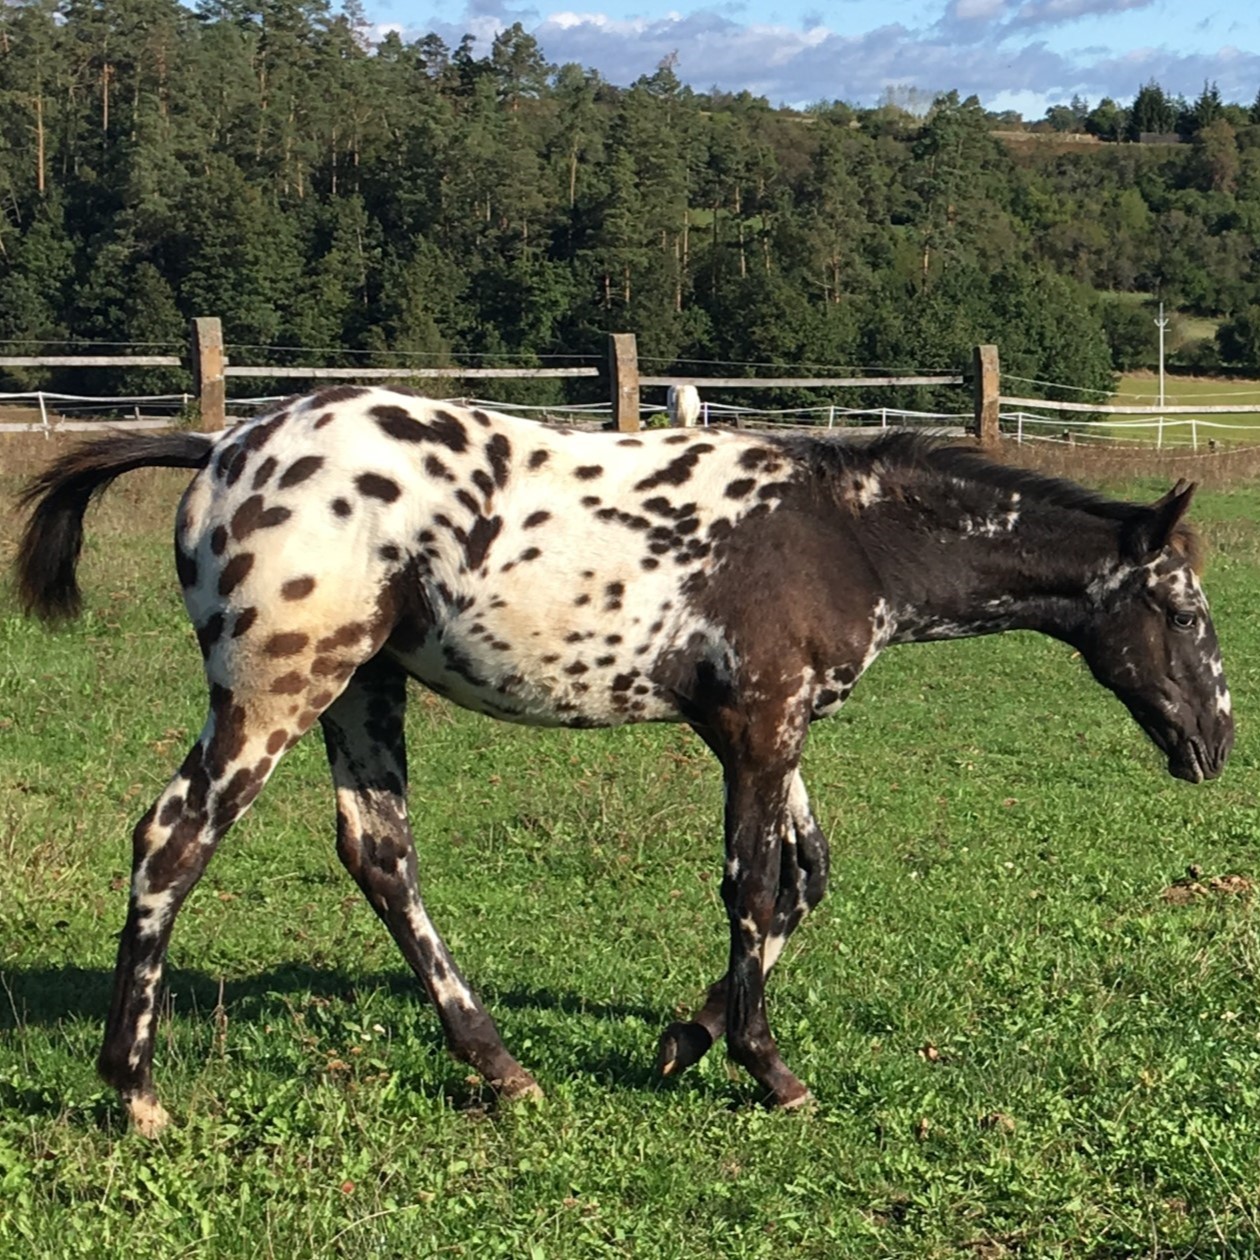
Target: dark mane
(914, 452)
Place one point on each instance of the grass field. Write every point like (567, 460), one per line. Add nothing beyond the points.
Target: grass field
(1026, 1038)
(1142, 389)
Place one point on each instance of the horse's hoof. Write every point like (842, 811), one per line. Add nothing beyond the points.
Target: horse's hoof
(680, 1046)
(804, 1102)
(148, 1116)
(522, 1088)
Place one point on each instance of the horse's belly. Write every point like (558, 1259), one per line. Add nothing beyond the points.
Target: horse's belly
(551, 687)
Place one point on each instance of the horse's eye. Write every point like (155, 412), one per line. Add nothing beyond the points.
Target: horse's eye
(1183, 620)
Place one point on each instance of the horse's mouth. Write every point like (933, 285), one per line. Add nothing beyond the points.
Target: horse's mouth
(1186, 765)
(1190, 760)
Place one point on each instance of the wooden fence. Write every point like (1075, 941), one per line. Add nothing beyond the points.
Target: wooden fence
(211, 368)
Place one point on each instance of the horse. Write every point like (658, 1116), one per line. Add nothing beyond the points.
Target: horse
(683, 404)
(738, 582)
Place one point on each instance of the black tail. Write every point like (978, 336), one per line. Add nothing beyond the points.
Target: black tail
(48, 553)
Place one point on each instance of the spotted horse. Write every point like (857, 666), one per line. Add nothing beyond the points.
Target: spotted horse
(738, 582)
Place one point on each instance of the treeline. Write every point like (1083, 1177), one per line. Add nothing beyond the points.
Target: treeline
(338, 201)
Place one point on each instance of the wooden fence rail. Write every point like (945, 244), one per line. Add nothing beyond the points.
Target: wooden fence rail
(210, 369)
(91, 360)
(393, 374)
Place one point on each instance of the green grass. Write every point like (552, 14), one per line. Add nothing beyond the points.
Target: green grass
(1018, 1045)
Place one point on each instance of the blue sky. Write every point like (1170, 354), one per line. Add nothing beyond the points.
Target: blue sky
(1013, 54)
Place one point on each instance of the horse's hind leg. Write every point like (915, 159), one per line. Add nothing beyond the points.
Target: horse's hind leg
(171, 846)
(364, 735)
(803, 865)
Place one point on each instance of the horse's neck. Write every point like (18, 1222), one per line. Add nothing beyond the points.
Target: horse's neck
(1026, 571)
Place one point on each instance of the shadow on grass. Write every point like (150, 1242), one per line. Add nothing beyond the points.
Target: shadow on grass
(48, 995)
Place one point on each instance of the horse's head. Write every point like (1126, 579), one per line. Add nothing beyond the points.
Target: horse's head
(1150, 639)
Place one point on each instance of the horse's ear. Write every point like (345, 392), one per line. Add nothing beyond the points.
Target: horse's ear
(1153, 529)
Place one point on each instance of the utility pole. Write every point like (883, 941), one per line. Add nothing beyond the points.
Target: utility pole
(1161, 323)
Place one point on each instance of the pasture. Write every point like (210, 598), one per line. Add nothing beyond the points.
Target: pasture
(1029, 1030)
(1142, 389)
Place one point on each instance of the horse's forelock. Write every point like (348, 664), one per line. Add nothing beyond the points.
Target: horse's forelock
(1186, 543)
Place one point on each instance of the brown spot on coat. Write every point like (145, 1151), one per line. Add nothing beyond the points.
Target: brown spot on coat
(678, 471)
(757, 456)
(171, 811)
(235, 572)
(377, 487)
(244, 619)
(258, 436)
(535, 519)
(298, 471)
(226, 460)
(265, 469)
(251, 515)
(344, 636)
(499, 453)
(287, 643)
(210, 633)
(297, 588)
(445, 428)
(185, 567)
(484, 531)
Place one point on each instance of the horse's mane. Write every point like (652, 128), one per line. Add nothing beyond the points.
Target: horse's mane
(919, 453)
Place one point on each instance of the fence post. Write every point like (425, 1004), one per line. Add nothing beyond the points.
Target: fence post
(988, 390)
(209, 384)
(623, 362)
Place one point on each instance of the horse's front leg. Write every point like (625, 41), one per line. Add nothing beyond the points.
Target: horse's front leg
(804, 860)
(757, 824)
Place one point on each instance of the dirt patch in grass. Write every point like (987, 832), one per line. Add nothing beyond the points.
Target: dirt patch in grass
(1195, 886)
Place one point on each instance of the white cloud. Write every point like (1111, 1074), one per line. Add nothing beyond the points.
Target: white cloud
(977, 10)
(981, 47)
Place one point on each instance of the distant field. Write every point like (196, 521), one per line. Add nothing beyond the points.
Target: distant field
(1142, 388)
(1030, 1035)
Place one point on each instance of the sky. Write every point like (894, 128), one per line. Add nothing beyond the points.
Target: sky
(1024, 55)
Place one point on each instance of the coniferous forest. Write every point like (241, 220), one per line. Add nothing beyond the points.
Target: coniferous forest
(339, 201)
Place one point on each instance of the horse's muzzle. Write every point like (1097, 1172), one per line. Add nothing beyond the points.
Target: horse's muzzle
(1195, 760)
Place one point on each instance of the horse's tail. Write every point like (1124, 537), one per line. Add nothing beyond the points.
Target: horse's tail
(48, 553)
